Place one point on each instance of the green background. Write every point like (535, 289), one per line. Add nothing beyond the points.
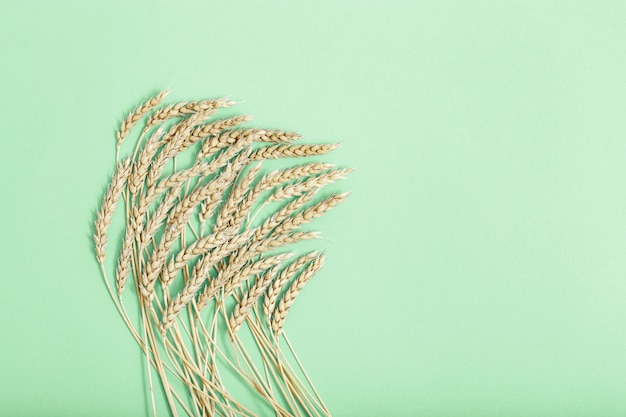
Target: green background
(477, 269)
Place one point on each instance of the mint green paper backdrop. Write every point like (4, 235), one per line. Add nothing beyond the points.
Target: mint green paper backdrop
(477, 269)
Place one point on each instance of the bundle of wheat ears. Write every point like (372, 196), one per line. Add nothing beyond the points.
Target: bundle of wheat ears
(202, 259)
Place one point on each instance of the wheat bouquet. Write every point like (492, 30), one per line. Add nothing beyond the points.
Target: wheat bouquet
(203, 259)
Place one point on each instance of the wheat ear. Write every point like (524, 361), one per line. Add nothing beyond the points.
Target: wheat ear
(241, 160)
(177, 221)
(273, 291)
(159, 216)
(237, 194)
(240, 258)
(172, 147)
(151, 170)
(199, 276)
(140, 168)
(283, 215)
(217, 127)
(197, 248)
(279, 314)
(301, 187)
(136, 115)
(123, 264)
(250, 297)
(235, 264)
(310, 213)
(185, 108)
(279, 136)
(105, 214)
(271, 181)
(254, 268)
(292, 151)
(225, 139)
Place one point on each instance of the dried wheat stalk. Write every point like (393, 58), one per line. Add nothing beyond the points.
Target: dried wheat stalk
(191, 229)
